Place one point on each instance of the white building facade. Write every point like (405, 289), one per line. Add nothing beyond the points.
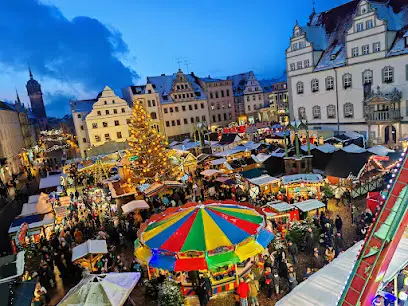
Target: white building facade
(348, 70)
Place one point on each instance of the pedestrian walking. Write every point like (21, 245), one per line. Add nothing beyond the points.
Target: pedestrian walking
(339, 224)
(243, 291)
(293, 251)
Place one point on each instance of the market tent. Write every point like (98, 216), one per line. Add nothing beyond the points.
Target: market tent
(261, 157)
(327, 148)
(309, 205)
(33, 221)
(112, 289)
(210, 172)
(263, 180)
(344, 165)
(325, 287)
(89, 247)
(320, 158)
(133, 205)
(352, 148)
(280, 207)
(380, 150)
(218, 161)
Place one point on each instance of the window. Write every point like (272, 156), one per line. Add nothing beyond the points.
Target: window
(329, 83)
(253, 97)
(222, 94)
(360, 27)
(185, 120)
(119, 135)
(377, 47)
(116, 122)
(97, 138)
(347, 80)
(367, 77)
(299, 65)
(348, 110)
(79, 116)
(211, 95)
(365, 49)
(203, 118)
(149, 103)
(82, 127)
(105, 102)
(107, 137)
(153, 102)
(107, 112)
(214, 119)
(171, 110)
(94, 125)
(123, 110)
(302, 44)
(227, 93)
(219, 117)
(294, 47)
(165, 110)
(183, 107)
(84, 140)
(259, 97)
(192, 120)
(195, 106)
(98, 113)
(248, 98)
(115, 111)
(197, 119)
(354, 52)
(190, 107)
(153, 115)
(315, 85)
(306, 63)
(369, 24)
(128, 121)
(316, 112)
(105, 124)
(176, 109)
(184, 96)
(249, 108)
(216, 94)
(178, 122)
(299, 86)
(202, 105)
(302, 113)
(388, 74)
(167, 123)
(292, 67)
(331, 111)
(173, 123)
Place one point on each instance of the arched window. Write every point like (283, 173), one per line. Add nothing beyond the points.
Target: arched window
(388, 74)
(315, 85)
(300, 87)
(153, 115)
(329, 83)
(316, 112)
(367, 77)
(331, 111)
(347, 80)
(348, 110)
(302, 112)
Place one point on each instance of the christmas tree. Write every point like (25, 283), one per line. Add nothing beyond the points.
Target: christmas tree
(148, 155)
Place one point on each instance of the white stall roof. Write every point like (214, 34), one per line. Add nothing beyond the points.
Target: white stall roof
(324, 287)
(133, 205)
(48, 219)
(28, 209)
(306, 177)
(281, 207)
(304, 147)
(33, 198)
(309, 205)
(261, 157)
(89, 247)
(380, 150)
(353, 148)
(51, 181)
(263, 180)
(326, 148)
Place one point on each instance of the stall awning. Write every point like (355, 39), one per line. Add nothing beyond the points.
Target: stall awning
(133, 205)
(263, 180)
(281, 207)
(163, 262)
(210, 172)
(309, 205)
(89, 247)
(190, 264)
(305, 178)
(248, 250)
(218, 161)
(221, 260)
(153, 189)
(33, 222)
(325, 286)
(264, 238)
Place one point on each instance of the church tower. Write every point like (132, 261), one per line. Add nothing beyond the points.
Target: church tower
(36, 100)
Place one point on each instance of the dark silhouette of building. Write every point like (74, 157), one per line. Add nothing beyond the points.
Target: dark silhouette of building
(36, 100)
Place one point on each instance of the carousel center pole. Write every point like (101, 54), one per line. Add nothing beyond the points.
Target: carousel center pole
(236, 275)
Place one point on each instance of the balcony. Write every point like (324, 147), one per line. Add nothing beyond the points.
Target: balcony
(383, 116)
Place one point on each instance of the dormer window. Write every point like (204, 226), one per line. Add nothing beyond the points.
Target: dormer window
(360, 27)
(369, 24)
(294, 47)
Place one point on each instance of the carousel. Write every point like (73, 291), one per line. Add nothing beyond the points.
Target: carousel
(222, 239)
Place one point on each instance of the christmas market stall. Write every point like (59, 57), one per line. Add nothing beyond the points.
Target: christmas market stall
(302, 185)
(281, 214)
(265, 183)
(134, 205)
(52, 182)
(87, 254)
(309, 205)
(219, 238)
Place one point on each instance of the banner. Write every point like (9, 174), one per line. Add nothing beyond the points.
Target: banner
(61, 212)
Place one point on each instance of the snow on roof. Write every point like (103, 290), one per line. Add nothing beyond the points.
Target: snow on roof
(353, 148)
(51, 181)
(261, 157)
(250, 145)
(278, 153)
(186, 146)
(309, 205)
(280, 207)
(173, 143)
(353, 135)
(305, 177)
(304, 147)
(230, 152)
(210, 80)
(324, 287)
(326, 148)
(239, 82)
(380, 150)
(263, 180)
(48, 219)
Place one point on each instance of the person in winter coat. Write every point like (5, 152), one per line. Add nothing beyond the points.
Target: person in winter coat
(292, 278)
(293, 251)
(339, 224)
(338, 244)
(310, 241)
(253, 292)
(318, 262)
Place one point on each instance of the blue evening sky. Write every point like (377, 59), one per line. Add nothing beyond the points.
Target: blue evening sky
(75, 47)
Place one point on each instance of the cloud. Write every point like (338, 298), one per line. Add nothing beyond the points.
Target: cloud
(81, 50)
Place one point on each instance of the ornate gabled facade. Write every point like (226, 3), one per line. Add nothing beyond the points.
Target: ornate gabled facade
(339, 57)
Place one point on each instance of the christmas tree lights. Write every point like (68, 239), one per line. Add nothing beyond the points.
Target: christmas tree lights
(148, 156)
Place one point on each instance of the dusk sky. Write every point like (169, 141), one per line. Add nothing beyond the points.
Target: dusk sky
(76, 47)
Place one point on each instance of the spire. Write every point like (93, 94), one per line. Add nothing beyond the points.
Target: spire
(313, 12)
(18, 98)
(31, 74)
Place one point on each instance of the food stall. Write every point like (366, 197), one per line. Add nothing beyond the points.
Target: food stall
(281, 214)
(309, 205)
(87, 254)
(265, 183)
(302, 185)
(219, 238)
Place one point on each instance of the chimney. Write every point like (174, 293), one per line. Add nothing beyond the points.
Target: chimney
(163, 74)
